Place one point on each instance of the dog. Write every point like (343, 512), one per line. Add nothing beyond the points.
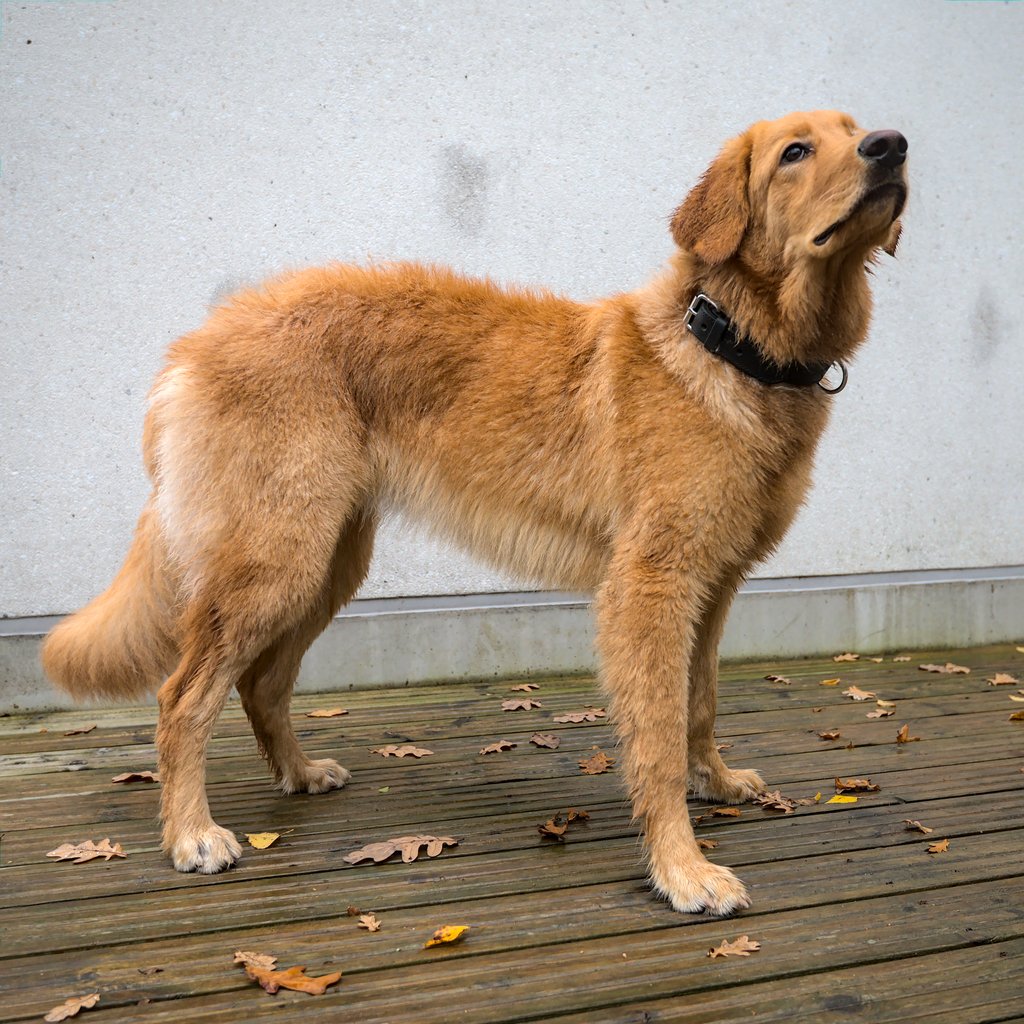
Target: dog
(652, 446)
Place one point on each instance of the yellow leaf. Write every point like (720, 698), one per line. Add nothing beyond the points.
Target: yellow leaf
(446, 935)
(261, 840)
(817, 797)
(841, 800)
(829, 682)
(1019, 700)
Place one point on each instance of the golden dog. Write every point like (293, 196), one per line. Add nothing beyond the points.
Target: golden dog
(583, 446)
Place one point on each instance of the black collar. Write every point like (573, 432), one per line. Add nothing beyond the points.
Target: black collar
(715, 331)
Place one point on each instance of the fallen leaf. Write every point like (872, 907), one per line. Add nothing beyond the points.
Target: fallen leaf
(146, 971)
(137, 777)
(903, 736)
(886, 703)
(574, 813)
(384, 789)
(816, 710)
(846, 657)
(80, 732)
(948, 669)
(851, 745)
(877, 661)
(916, 826)
(326, 712)
(520, 704)
(404, 751)
(408, 846)
(841, 800)
(830, 682)
(590, 715)
(261, 840)
(778, 679)
(369, 922)
(70, 1007)
(817, 798)
(446, 935)
(940, 847)
(856, 786)
(1020, 650)
(1017, 716)
(707, 844)
(79, 853)
(1013, 696)
(597, 763)
(554, 828)
(525, 687)
(738, 947)
(353, 911)
(1001, 679)
(294, 978)
(545, 739)
(858, 694)
(724, 812)
(830, 734)
(880, 713)
(902, 657)
(498, 746)
(256, 959)
(723, 746)
(775, 802)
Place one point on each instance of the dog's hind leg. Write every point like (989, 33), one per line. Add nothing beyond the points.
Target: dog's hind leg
(710, 778)
(266, 688)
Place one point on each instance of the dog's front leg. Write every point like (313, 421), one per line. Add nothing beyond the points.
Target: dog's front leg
(647, 612)
(709, 777)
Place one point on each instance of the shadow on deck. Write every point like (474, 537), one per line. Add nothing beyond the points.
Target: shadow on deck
(856, 920)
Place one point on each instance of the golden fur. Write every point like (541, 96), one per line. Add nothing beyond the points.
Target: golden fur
(579, 445)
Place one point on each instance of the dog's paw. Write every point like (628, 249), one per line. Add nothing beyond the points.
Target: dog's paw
(731, 786)
(207, 851)
(700, 886)
(316, 777)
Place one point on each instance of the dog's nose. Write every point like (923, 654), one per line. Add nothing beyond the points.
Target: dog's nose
(889, 148)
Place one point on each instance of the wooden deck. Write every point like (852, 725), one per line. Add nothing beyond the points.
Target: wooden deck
(856, 920)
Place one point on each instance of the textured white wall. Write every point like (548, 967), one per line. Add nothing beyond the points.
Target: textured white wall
(156, 153)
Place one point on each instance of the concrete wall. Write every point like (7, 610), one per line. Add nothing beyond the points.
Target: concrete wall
(155, 153)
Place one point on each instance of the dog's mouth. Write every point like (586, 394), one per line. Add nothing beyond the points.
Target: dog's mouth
(892, 191)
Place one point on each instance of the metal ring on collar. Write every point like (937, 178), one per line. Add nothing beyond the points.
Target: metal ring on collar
(842, 383)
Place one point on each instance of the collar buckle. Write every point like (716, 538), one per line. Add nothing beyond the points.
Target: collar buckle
(706, 322)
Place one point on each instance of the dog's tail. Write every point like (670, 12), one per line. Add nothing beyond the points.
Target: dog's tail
(123, 644)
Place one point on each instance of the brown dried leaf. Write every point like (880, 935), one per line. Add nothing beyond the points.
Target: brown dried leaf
(1017, 716)
(545, 739)
(80, 732)
(524, 688)
(79, 853)
(775, 802)
(369, 922)
(575, 813)
(948, 669)
(707, 844)
(880, 713)
(554, 828)
(739, 947)
(886, 703)
(590, 715)
(902, 657)
(724, 812)
(403, 751)
(1001, 679)
(256, 959)
(778, 679)
(597, 763)
(520, 704)
(70, 1007)
(916, 826)
(294, 978)
(498, 746)
(723, 746)
(856, 786)
(137, 777)
(858, 694)
(327, 712)
(846, 657)
(829, 734)
(408, 846)
(903, 736)
(940, 847)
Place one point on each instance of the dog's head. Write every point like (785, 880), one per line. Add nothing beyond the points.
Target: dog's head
(805, 187)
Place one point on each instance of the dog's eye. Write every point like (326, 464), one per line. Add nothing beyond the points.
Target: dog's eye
(797, 151)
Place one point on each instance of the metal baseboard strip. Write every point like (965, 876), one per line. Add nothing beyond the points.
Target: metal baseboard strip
(403, 641)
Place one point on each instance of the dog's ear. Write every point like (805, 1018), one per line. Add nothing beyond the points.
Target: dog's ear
(713, 218)
(894, 238)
